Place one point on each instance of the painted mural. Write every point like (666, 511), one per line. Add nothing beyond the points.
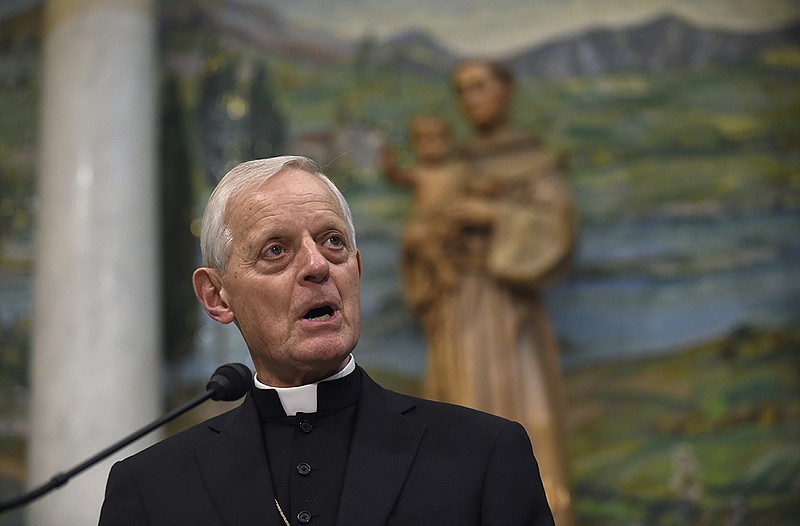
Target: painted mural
(679, 321)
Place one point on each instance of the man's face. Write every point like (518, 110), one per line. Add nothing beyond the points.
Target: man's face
(482, 97)
(292, 279)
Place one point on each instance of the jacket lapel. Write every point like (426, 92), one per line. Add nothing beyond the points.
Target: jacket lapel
(236, 472)
(384, 445)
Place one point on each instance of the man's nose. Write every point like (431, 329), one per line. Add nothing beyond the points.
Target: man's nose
(316, 267)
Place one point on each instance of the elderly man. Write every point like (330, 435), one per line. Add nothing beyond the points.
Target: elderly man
(316, 441)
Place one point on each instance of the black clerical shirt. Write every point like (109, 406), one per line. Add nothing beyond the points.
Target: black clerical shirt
(307, 453)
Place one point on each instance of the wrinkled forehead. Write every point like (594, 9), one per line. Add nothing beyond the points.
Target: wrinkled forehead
(285, 191)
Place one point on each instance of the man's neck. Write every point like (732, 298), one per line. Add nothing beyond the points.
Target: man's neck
(303, 398)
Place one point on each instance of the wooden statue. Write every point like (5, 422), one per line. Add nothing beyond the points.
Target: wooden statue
(507, 230)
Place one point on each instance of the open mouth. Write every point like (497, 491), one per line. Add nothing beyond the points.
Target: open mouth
(319, 313)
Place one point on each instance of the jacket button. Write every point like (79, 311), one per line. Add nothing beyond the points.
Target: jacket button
(304, 517)
(305, 426)
(304, 468)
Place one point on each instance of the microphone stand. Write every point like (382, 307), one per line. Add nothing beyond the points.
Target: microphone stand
(213, 390)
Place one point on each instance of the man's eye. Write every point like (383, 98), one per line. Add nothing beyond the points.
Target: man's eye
(274, 250)
(336, 241)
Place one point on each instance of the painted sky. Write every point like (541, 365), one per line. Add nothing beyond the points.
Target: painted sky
(494, 27)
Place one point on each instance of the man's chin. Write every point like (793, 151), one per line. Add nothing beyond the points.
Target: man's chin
(324, 355)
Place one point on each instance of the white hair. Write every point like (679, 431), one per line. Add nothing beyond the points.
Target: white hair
(215, 234)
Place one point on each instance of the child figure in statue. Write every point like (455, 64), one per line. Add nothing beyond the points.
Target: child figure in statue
(435, 179)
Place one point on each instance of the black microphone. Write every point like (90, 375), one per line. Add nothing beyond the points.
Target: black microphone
(228, 383)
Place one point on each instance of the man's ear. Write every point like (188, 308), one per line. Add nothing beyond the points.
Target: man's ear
(358, 259)
(209, 290)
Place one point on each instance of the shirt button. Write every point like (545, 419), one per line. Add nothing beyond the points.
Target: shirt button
(304, 517)
(304, 468)
(305, 426)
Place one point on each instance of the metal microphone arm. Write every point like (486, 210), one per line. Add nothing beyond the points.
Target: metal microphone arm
(227, 383)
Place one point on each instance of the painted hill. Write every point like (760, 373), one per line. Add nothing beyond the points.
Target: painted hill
(666, 43)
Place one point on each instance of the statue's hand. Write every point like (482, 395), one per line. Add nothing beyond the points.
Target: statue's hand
(487, 187)
(469, 211)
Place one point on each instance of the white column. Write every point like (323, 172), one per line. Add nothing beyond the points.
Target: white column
(95, 360)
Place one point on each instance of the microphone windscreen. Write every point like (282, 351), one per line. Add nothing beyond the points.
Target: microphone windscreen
(230, 382)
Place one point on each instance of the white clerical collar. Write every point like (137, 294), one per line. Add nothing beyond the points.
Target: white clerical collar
(303, 398)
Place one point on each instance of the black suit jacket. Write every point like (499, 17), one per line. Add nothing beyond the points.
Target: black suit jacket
(411, 462)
